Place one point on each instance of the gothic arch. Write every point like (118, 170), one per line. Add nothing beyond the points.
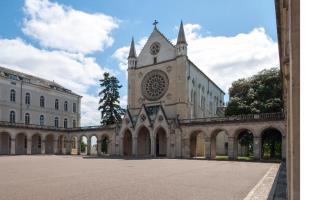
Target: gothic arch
(127, 142)
(144, 141)
(161, 141)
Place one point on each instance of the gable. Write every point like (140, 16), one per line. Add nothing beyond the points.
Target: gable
(167, 50)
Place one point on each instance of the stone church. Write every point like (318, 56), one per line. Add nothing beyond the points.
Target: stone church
(163, 86)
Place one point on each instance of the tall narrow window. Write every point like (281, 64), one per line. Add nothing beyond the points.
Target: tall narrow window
(13, 95)
(56, 122)
(65, 123)
(12, 117)
(27, 100)
(41, 120)
(56, 104)
(27, 118)
(65, 106)
(74, 123)
(42, 101)
(74, 107)
(155, 60)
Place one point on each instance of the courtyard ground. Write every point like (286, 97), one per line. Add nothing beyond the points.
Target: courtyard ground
(75, 177)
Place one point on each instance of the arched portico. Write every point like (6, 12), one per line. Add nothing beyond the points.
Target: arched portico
(219, 143)
(271, 144)
(84, 149)
(62, 144)
(36, 144)
(243, 145)
(94, 145)
(105, 145)
(49, 144)
(144, 142)
(21, 144)
(74, 145)
(197, 144)
(161, 144)
(5, 143)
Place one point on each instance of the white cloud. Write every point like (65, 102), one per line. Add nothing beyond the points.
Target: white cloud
(223, 59)
(122, 53)
(124, 101)
(73, 71)
(61, 27)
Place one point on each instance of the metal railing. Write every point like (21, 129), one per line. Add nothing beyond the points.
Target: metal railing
(237, 118)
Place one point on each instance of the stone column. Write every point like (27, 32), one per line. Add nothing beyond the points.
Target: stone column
(13, 146)
(55, 146)
(88, 147)
(98, 147)
(213, 147)
(153, 146)
(283, 148)
(43, 146)
(79, 146)
(257, 148)
(207, 145)
(29, 145)
(231, 148)
(134, 146)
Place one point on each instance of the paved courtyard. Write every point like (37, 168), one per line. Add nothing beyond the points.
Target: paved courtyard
(74, 177)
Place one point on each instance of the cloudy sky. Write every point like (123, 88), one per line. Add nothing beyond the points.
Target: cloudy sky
(74, 41)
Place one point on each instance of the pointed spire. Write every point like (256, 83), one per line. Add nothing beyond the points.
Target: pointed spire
(132, 52)
(181, 36)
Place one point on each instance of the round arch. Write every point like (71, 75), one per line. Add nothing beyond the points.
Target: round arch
(219, 143)
(62, 144)
(93, 138)
(243, 145)
(271, 144)
(5, 143)
(49, 144)
(197, 144)
(105, 144)
(36, 143)
(84, 145)
(21, 144)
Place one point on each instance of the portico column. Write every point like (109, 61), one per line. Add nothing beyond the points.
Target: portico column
(153, 146)
(231, 148)
(29, 145)
(79, 146)
(13, 146)
(257, 148)
(55, 146)
(134, 146)
(207, 147)
(98, 147)
(43, 145)
(213, 147)
(88, 147)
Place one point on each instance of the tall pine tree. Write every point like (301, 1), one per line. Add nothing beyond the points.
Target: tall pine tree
(110, 108)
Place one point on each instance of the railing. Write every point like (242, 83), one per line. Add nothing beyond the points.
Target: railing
(236, 118)
(36, 126)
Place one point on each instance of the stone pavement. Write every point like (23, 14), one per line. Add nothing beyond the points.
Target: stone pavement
(74, 177)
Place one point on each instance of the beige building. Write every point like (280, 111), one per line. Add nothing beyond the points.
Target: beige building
(31, 100)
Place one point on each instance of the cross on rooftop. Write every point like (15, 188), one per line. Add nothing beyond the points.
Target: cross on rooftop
(155, 23)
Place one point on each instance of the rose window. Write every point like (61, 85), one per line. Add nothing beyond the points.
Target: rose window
(155, 85)
(155, 48)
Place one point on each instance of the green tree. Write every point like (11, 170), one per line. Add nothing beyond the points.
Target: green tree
(260, 93)
(110, 108)
(83, 147)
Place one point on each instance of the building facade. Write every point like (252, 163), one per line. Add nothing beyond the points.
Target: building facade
(31, 100)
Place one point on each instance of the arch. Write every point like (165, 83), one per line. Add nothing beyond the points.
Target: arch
(49, 142)
(5, 143)
(127, 143)
(144, 142)
(271, 144)
(219, 144)
(197, 144)
(94, 145)
(21, 144)
(105, 144)
(243, 145)
(161, 142)
(84, 145)
(36, 144)
(74, 145)
(62, 144)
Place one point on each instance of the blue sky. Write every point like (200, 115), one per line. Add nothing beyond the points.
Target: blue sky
(226, 38)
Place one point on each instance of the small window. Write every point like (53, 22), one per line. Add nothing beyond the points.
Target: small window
(41, 120)
(66, 106)
(74, 107)
(13, 96)
(42, 101)
(65, 123)
(56, 122)
(155, 60)
(56, 104)
(74, 124)
(27, 118)
(12, 117)
(27, 100)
